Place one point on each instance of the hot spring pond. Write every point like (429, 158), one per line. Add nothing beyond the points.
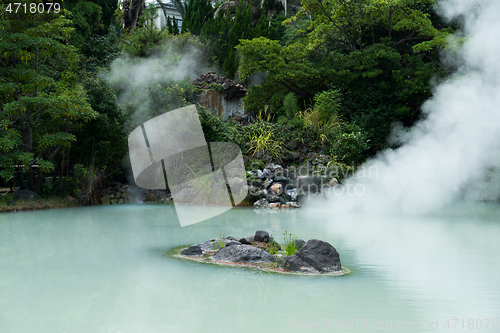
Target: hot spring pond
(104, 269)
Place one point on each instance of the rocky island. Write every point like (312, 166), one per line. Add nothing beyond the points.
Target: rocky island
(261, 251)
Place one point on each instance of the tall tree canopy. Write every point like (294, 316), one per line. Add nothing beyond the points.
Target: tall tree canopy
(41, 100)
(380, 54)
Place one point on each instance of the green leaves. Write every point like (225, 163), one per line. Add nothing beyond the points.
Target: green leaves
(41, 100)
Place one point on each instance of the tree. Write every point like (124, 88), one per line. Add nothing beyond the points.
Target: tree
(197, 13)
(86, 17)
(41, 99)
(380, 54)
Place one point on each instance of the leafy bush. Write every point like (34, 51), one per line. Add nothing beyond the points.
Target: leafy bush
(219, 130)
(350, 145)
(263, 140)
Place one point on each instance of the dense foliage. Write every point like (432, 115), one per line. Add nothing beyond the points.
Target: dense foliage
(41, 98)
(221, 28)
(327, 83)
(379, 56)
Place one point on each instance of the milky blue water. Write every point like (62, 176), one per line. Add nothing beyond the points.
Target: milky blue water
(103, 269)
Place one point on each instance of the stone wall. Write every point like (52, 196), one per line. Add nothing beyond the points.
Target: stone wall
(220, 106)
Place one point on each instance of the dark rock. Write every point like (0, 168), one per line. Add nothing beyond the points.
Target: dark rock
(261, 194)
(333, 182)
(256, 183)
(294, 155)
(281, 179)
(243, 253)
(231, 238)
(210, 245)
(11, 203)
(193, 250)
(25, 195)
(231, 243)
(268, 173)
(150, 197)
(295, 264)
(299, 243)
(292, 194)
(273, 242)
(277, 188)
(273, 198)
(270, 166)
(262, 203)
(106, 200)
(245, 240)
(267, 183)
(320, 255)
(261, 236)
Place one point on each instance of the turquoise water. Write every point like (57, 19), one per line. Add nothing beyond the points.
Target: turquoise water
(102, 269)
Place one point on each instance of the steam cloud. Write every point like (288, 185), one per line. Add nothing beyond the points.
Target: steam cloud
(454, 153)
(137, 81)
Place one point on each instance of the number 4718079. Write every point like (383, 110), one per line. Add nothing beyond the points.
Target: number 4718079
(33, 8)
(471, 324)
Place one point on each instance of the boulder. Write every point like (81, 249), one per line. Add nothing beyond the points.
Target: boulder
(273, 198)
(274, 205)
(150, 197)
(261, 236)
(299, 243)
(320, 255)
(333, 182)
(262, 203)
(244, 254)
(261, 194)
(193, 250)
(292, 194)
(267, 183)
(106, 200)
(268, 173)
(245, 240)
(25, 195)
(231, 243)
(11, 203)
(295, 264)
(277, 188)
(257, 183)
(210, 245)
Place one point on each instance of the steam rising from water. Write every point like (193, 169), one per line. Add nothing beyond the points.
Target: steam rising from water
(140, 83)
(451, 154)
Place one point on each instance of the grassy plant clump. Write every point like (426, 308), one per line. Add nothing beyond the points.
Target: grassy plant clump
(220, 240)
(264, 141)
(290, 245)
(273, 248)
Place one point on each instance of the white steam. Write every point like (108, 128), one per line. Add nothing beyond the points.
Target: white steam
(137, 81)
(451, 154)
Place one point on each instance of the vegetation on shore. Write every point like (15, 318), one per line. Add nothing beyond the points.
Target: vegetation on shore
(327, 82)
